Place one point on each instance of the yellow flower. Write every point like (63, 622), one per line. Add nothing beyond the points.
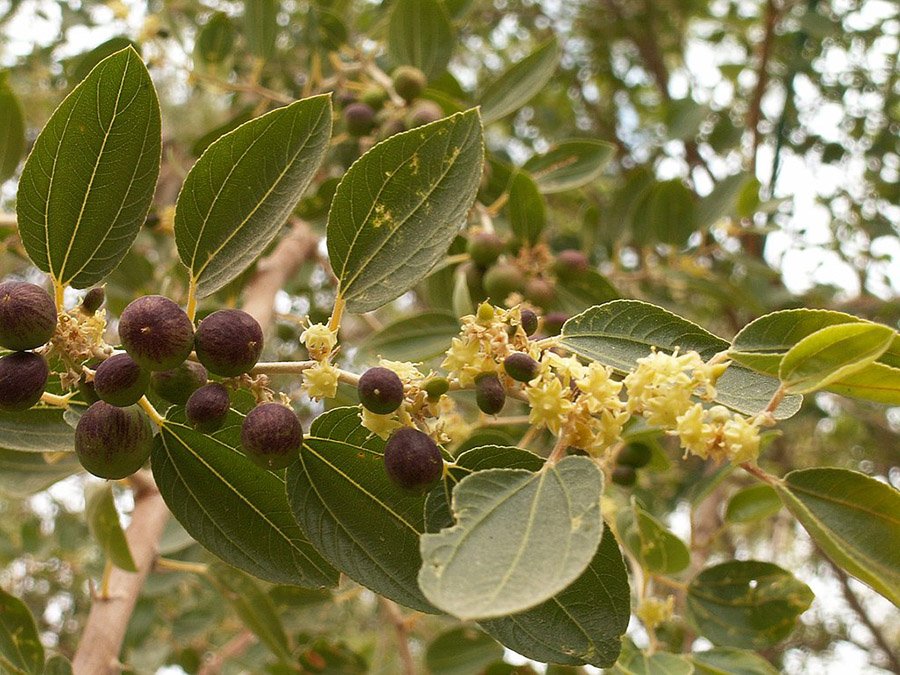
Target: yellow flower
(741, 439)
(693, 432)
(405, 371)
(319, 340)
(380, 425)
(567, 367)
(321, 380)
(599, 390)
(660, 388)
(549, 406)
(653, 611)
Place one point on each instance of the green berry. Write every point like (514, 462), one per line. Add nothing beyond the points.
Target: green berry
(409, 82)
(436, 387)
(156, 332)
(27, 316)
(272, 436)
(177, 385)
(120, 381)
(228, 342)
(490, 395)
(485, 247)
(374, 96)
(23, 377)
(501, 280)
(413, 460)
(380, 390)
(635, 455)
(520, 367)
(113, 442)
(207, 408)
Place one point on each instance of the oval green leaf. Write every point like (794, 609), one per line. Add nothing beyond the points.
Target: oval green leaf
(520, 82)
(655, 548)
(12, 130)
(238, 195)
(461, 651)
(730, 661)
(20, 647)
(261, 27)
(752, 503)
(414, 338)
(584, 290)
(570, 165)
(514, 526)
(87, 185)
(746, 603)
(527, 211)
(620, 332)
(103, 522)
(353, 514)
(216, 39)
(24, 473)
(665, 214)
(398, 208)
(420, 34)
(635, 662)
(832, 353)
(36, 430)
(853, 518)
(234, 508)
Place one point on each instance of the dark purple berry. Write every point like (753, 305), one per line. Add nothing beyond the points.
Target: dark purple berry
(208, 407)
(23, 377)
(359, 119)
(485, 247)
(113, 442)
(424, 112)
(229, 342)
(409, 82)
(156, 332)
(635, 455)
(624, 475)
(27, 316)
(177, 385)
(490, 395)
(92, 300)
(520, 367)
(272, 436)
(412, 460)
(380, 390)
(553, 322)
(529, 322)
(120, 381)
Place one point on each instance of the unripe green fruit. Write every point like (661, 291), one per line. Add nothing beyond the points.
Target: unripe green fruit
(635, 455)
(359, 119)
(207, 408)
(501, 280)
(529, 322)
(373, 96)
(156, 332)
(272, 436)
(424, 112)
(409, 82)
(570, 263)
(120, 381)
(380, 390)
(92, 300)
(520, 367)
(228, 342)
(490, 395)
(177, 385)
(113, 442)
(553, 322)
(412, 460)
(27, 316)
(436, 387)
(540, 292)
(624, 475)
(23, 377)
(485, 247)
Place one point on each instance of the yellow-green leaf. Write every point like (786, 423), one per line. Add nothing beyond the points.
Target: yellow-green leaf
(20, 647)
(103, 522)
(420, 34)
(520, 82)
(12, 130)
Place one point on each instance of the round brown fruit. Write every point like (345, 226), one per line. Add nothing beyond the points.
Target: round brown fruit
(624, 475)
(490, 395)
(27, 316)
(520, 367)
(272, 436)
(359, 119)
(208, 407)
(380, 390)
(529, 321)
(424, 112)
(23, 377)
(156, 332)
(228, 342)
(92, 300)
(177, 385)
(570, 263)
(540, 292)
(120, 381)
(113, 442)
(413, 460)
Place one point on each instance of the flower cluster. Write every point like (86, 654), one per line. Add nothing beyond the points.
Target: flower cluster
(78, 338)
(321, 380)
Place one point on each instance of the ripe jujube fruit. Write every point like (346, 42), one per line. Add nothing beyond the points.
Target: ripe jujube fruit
(359, 119)
(520, 367)
(485, 247)
(113, 442)
(120, 381)
(272, 436)
(570, 263)
(635, 455)
(23, 377)
(207, 408)
(624, 475)
(380, 390)
(27, 316)
(409, 82)
(92, 300)
(529, 321)
(413, 460)
(490, 395)
(228, 342)
(177, 385)
(156, 332)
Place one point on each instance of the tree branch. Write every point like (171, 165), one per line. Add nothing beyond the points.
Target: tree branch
(402, 630)
(234, 647)
(764, 54)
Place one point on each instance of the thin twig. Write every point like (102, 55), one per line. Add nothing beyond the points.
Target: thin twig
(234, 647)
(402, 629)
(754, 112)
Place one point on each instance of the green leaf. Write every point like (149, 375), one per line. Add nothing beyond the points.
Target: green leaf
(746, 603)
(730, 661)
(514, 526)
(215, 40)
(684, 117)
(461, 651)
(570, 165)
(24, 473)
(255, 608)
(353, 514)
(12, 130)
(234, 508)
(723, 200)
(636, 662)
(86, 62)
(665, 214)
(583, 623)
(261, 27)
(853, 518)
(527, 211)
(238, 195)
(36, 430)
(876, 382)
(832, 353)
(520, 82)
(415, 338)
(87, 185)
(399, 207)
(657, 549)
(584, 290)
(20, 647)
(752, 503)
(420, 34)
(620, 332)
(103, 522)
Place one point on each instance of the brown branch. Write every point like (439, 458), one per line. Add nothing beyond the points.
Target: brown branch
(234, 647)
(402, 630)
(764, 54)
